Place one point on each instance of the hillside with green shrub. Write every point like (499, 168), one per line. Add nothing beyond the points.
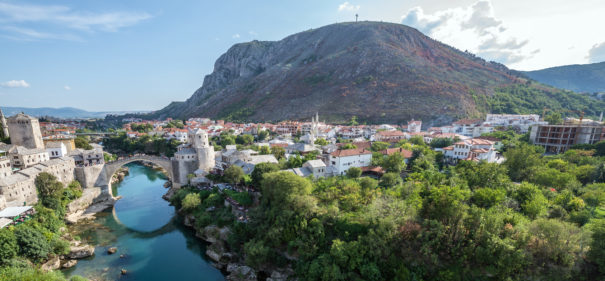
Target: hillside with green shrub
(533, 217)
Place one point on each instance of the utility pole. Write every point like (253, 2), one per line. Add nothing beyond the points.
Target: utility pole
(356, 16)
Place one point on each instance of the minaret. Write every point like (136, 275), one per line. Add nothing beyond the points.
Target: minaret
(3, 125)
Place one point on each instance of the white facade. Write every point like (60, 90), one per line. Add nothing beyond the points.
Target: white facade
(341, 160)
(518, 121)
(56, 149)
(471, 149)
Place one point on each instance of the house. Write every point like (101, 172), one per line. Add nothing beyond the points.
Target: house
(472, 127)
(341, 160)
(403, 152)
(414, 126)
(56, 149)
(250, 162)
(90, 157)
(316, 168)
(301, 148)
(471, 149)
(389, 136)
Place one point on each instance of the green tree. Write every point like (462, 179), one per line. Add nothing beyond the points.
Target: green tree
(321, 141)
(47, 185)
(32, 243)
(488, 197)
(227, 140)
(597, 246)
(368, 183)
(244, 139)
(417, 140)
(265, 150)
(378, 146)
(530, 198)
(82, 143)
(521, 161)
(262, 135)
(390, 180)
(8, 245)
(191, 201)
(394, 163)
(354, 172)
(260, 169)
(348, 146)
(234, 174)
(353, 121)
(441, 142)
(554, 118)
(278, 151)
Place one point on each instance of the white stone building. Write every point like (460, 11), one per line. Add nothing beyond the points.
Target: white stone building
(414, 126)
(56, 149)
(471, 149)
(341, 160)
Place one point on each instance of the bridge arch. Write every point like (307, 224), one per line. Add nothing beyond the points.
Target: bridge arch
(112, 167)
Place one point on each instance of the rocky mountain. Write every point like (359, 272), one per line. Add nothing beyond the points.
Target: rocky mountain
(379, 72)
(586, 78)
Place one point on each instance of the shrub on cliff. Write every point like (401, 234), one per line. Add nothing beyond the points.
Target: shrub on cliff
(191, 202)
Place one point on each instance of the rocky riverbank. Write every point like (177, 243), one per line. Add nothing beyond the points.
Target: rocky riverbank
(120, 175)
(77, 251)
(230, 262)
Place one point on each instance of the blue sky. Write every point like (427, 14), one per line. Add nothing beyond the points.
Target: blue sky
(140, 55)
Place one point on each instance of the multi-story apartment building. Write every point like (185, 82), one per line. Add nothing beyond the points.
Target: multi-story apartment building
(559, 138)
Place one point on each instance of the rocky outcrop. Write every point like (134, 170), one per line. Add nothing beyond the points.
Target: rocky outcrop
(81, 252)
(69, 264)
(241, 273)
(112, 250)
(52, 264)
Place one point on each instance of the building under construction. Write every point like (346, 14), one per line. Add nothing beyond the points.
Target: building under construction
(559, 138)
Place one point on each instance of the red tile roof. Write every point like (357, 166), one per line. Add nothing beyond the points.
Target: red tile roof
(350, 152)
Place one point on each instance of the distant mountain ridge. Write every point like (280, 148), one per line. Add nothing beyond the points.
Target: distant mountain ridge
(586, 78)
(378, 72)
(63, 112)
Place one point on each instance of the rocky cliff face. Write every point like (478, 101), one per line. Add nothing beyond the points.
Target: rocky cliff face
(379, 72)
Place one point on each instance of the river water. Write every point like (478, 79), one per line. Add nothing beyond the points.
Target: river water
(147, 232)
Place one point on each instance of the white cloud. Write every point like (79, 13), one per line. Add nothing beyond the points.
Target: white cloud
(29, 34)
(64, 17)
(235, 36)
(67, 88)
(252, 32)
(597, 53)
(15, 84)
(474, 28)
(346, 6)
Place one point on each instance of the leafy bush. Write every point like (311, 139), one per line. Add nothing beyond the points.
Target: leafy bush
(191, 202)
(32, 243)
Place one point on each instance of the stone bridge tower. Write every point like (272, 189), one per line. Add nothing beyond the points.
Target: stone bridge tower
(203, 149)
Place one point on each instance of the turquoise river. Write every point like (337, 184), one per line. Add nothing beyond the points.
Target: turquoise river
(152, 242)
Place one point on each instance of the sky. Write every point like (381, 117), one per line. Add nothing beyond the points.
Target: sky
(116, 55)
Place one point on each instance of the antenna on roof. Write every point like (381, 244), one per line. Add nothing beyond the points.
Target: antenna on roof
(356, 16)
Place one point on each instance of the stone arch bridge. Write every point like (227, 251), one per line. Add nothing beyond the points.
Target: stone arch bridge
(110, 168)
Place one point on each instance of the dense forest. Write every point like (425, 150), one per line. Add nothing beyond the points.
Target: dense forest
(533, 217)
